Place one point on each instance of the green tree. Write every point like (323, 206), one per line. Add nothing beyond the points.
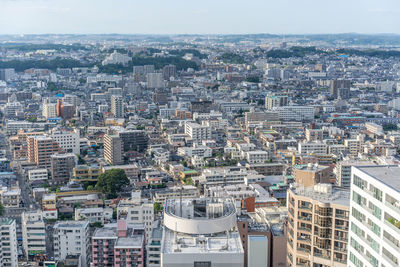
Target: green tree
(112, 181)
(157, 207)
(1, 209)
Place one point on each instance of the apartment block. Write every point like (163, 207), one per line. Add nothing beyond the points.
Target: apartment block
(118, 244)
(8, 242)
(61, 167)
(40, 149)
(318, 224)
(197, 132)
(375, 216)
(33, 234)
(71, 238)
(113, 148)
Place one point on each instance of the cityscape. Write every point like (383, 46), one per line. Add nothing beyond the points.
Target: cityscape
(198, 150)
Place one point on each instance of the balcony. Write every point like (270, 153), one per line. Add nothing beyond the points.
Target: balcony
(308, 251)
(393, 207)
(393, 226)
(340, 238)
(320, 255)
(308, 230)
(308, 219)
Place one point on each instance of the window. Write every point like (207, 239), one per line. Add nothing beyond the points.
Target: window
(202, 264)
(359, 182)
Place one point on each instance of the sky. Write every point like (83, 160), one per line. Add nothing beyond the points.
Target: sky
(199, 16)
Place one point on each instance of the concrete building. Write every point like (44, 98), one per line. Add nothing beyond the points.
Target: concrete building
(68, 141)
(340, 88)
(200, 232)
(117, 106)
(33, 234)
(118, 244)
(169, 71)
(49, 110)
(155, 80)
(273, 101)
(71, 238)
(314, 135)
(295, 113)
(133, 140)
(61, 167)
(113, 148)
(375, 216)
(318, 226)
(309, 175)
(197, 132)
(40, 149)
(136, 210)
(8, 242)
(38, 175)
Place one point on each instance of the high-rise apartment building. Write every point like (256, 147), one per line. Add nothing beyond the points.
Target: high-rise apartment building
(197, 132)
(68, 141)
(61, 167)
(49, 110)
(8, 243)
(113, 148)
(155, 80)
(133, 140)
(40, 149)
(374, 236)
(118, 244)
(273, 101)
(340, 88)
(71, 238)
(117, 106)
(318, 223)
(136, 210)
(33, 234)
(169, 71)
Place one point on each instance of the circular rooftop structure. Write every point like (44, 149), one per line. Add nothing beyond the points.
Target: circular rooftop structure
(200, 216)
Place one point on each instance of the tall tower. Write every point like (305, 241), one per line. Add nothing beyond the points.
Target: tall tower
(113, 149)
(117, 106)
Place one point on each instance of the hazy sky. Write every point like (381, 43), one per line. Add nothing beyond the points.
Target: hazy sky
(199, 16)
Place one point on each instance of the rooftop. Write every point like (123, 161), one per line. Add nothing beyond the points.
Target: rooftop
(388, 175)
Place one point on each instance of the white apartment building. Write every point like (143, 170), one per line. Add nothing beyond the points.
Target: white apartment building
(137, 211)
(257, 156)
(38, 175)
(200, 151)
(49, 110)
(33, 233)
(353, 146)
(93, 214)
(312, 147)
(295, 113)
(197, 132)
(225, 175)
(374, 235)
(8, 248)
(71, 238)
(68, 141)
(11, 198)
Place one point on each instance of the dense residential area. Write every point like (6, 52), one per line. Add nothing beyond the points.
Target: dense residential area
(199, 150)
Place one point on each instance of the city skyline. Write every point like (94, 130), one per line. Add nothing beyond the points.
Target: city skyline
(207, 17)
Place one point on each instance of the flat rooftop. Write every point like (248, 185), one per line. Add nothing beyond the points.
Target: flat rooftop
(389, 175)
(184, 243)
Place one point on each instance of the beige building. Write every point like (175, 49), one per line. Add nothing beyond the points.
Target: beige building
(40, 149)
(312, 174)
(113, 148)
(318, 224)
